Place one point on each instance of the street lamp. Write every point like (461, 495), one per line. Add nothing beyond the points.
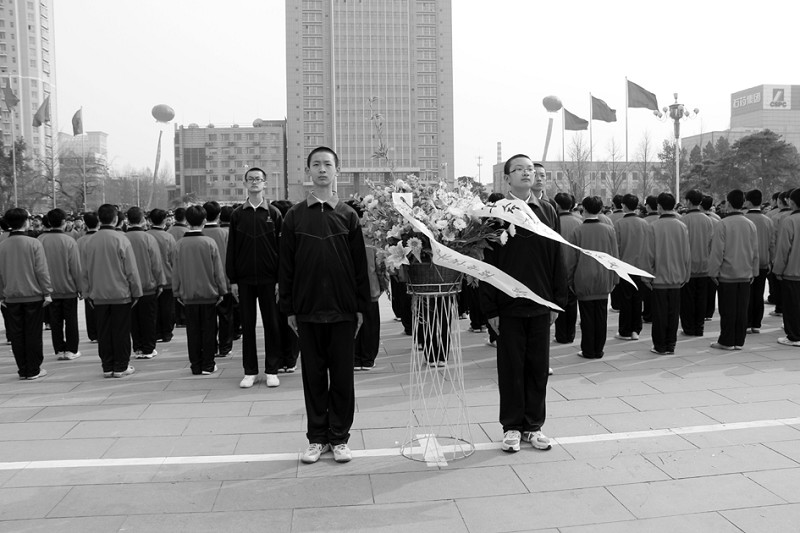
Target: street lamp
(676, 113)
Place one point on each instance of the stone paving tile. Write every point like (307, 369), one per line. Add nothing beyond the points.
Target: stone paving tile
(765, 519)
(294, 493)
(135, 383)
(36, 502)
(419, 517)
(257, 443)
(169, 397)
(590, 390)
(277, 407)
(126, 428)
(400, 403)
(5, 475)
(597, 472)
(366, 466)
(666, 498)
(139, 498)
(595, 406)
(647, 363)
(691, 523)
(577, 365)
(692, 384)
(231, 385)
(720, 460)
(742, 436)
(381, 420)
(181, 446)
(251, 471)
(244, 424)
(17, 414)
(57, 413)
(776, 365)
(606, 378)
(45, 450)
(789, 448)
(762, 394)
(715, 357)
(89, 524)
(43, 400)
(760, 379)
(245, 521)
(34, 430)
(516, 513)
(258, 393)
(13, 386)
(613, 448)
(109, 475)
(657, 419)
(445, 484)
(753, 411)
(196, 410)
(394, 437)
(784, 483)
(676, 400)
(713, 371)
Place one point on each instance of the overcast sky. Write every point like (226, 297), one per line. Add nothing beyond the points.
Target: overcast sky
(225, 62)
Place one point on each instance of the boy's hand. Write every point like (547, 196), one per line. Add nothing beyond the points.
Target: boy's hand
(47, 300)
(553, 316)
(494, 323)
(235, 291)
(292, 321)
(135, 301)
(219, 300)
(359, 322)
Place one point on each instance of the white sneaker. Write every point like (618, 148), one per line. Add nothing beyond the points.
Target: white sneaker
(342, 453)
(42, 373)
(68, 356)
(783, 340)
(247, 382)
(127, 372)
(635, 336)
(147, 355)
(208, 372)
(510, 441)
(537, 439)
(272, 380)
(108, 374)
(312, 453)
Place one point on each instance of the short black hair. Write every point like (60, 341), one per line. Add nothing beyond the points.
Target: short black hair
(212, 209)
(283, 206)
(356, 207)
(754, 197)
(319, 149)
(564, 201)
(795, 197)
(495, 197)
(667, 201)
(225, 213)
(91, 220)
(617, 201)
(15, 218)
(631, 201)
(135, 215)
(736, 198)
(694, 196)
(157, 216)
(251, 169)
(652, 202)
(592, 204)
(56, 217)
(538, 165)
(180, 214)
(106, 213)
(707, 203)
(196, 215)
(507, 166)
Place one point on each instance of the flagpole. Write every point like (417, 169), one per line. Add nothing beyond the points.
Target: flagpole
(563, 118)
(14, 159)
(626, 121)
(83, 153)
(591, 119)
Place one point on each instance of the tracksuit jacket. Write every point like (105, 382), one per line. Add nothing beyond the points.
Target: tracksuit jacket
(63, 262)
(734, 252)
(701, 231)
(148, 259)
(787, 254)
(632, 234)
(110, 275)
(166, 246)
(589, 279)
(253, 244)
(220, 236)
(668, 252)
(765, 228)
(198, 276)
(24, 276)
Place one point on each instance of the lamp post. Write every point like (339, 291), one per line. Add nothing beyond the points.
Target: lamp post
(676, 113)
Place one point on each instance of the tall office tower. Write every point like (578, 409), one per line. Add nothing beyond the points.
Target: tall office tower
(372, 79)
(27, 65)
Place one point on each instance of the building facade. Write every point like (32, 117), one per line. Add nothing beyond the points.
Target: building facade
(27, 66)
(210, 162)
(374, 81)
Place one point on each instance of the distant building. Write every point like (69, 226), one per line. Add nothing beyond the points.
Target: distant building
(210, 162)
(27, 65)
(92, 142)
(365, 75)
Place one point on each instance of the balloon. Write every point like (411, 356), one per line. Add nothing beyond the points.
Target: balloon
(552, 103)
(257, 123)
(163, 113)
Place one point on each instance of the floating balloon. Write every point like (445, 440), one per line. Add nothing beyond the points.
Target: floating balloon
(257, 123)
(552, 103)
(163, 113)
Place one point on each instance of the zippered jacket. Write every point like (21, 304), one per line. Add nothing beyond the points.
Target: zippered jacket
(589, 279)
(253, 244)
(24, 276)
(110, 275)
(148, 260)
(668, 252)
(63, 262)
(787, 252)
(198, 276)
(734, 252)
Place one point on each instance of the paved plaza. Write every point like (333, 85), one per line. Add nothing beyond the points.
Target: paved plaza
(703, 440)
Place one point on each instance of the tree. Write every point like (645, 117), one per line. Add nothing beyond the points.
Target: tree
(696, 155)
(765, 155)
(666, 176)
(32, 187)
(575, 178)
(616, 171)
(644, 164)
(709, 152)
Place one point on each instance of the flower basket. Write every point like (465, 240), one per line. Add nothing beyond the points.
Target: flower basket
(430, 279)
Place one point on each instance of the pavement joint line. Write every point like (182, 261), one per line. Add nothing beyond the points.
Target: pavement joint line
(383, 452)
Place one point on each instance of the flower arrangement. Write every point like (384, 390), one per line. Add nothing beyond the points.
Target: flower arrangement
(443, 211)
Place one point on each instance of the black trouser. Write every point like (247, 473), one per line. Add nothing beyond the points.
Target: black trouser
(711, 298)
(755, 311)
(180, 313)
(165, 321)
(523, 359)
(791, 313)
(733, 304)
(91, 321)
(143, 324)
(594, 323)
(777, 296)
(773, 287)
(224, 325)
(433, 330)
(666, 304)
(647, 304)
(616, 296)
(401, 303)
(694, 303)
(290, 345)
(24, 330)
(264, 294)
(630, 307)
(463, 299)
(114, 336)
(369, 337)
(328, 380)
(565, 322)
(476, 318)
(201, 322)
(5, 321)
(64, 324)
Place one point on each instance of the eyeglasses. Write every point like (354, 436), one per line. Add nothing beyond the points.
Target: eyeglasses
(530, 170)
(255, 180)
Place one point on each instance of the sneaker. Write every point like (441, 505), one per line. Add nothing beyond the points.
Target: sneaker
(719, 346)
(221, 355)
(314, 450)
(549, 371)
(127, 372)
(493, 344)
(755, 330)
(108, 374)
(786, 342)
(441, 364)
(290, 369)
(634, 336)
(653, 350)
(247, 382)
(342, 453)
(707, 319)
(775, 313)
(474, 330)
(623, 337)
(537, 439)
(272, 380)
(208, 372)
(68, 356)
(510, 441)
(397, 319)
(42, 373)
(147, 355)
(368, 366)
(738, 347)
(357, 368)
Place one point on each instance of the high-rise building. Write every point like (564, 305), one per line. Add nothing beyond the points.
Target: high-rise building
(374, 81)
(27, 65)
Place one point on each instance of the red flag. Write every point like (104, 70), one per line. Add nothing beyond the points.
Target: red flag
(638, 97)
(77, 122)
(601, 111)
(574, 122)
(10, 97)
(43, 114)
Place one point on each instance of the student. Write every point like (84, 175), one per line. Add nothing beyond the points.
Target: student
(225, 213)
(224, 310)
(732, 266)
(91, 221)
(670, 263)
(199, 283)
(569, 222)
(707, 207)
(325, 292)
(290, 346)
(25, 290)
(766, 254)
(784, 210)
(177, 229)
(523, 326)
(165, 303)
(63, 262)
(632, 232)
(111, 284)
(694, 300)
(787, 270)
(151, 274)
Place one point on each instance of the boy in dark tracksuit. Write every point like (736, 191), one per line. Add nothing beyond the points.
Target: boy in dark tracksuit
(592, 282)
(198, 281)
(25, 290)
(325, 291)
(165, 305)
(787, 270)
(694, 298)
(369, 336)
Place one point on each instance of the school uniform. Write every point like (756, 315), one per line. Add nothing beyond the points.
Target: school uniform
(88, 310)
(369, 336)
(787, 269)
(632, 233)
(711, 287)
(24, 283)
(224, 322)
(766, 254)
(566, 321)
(734, 263)
(63, 262)
(151, 274)
(198, 279)
(778, 295)
(647, 293)
(177, 231)
(694, 298)
(165, 303)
